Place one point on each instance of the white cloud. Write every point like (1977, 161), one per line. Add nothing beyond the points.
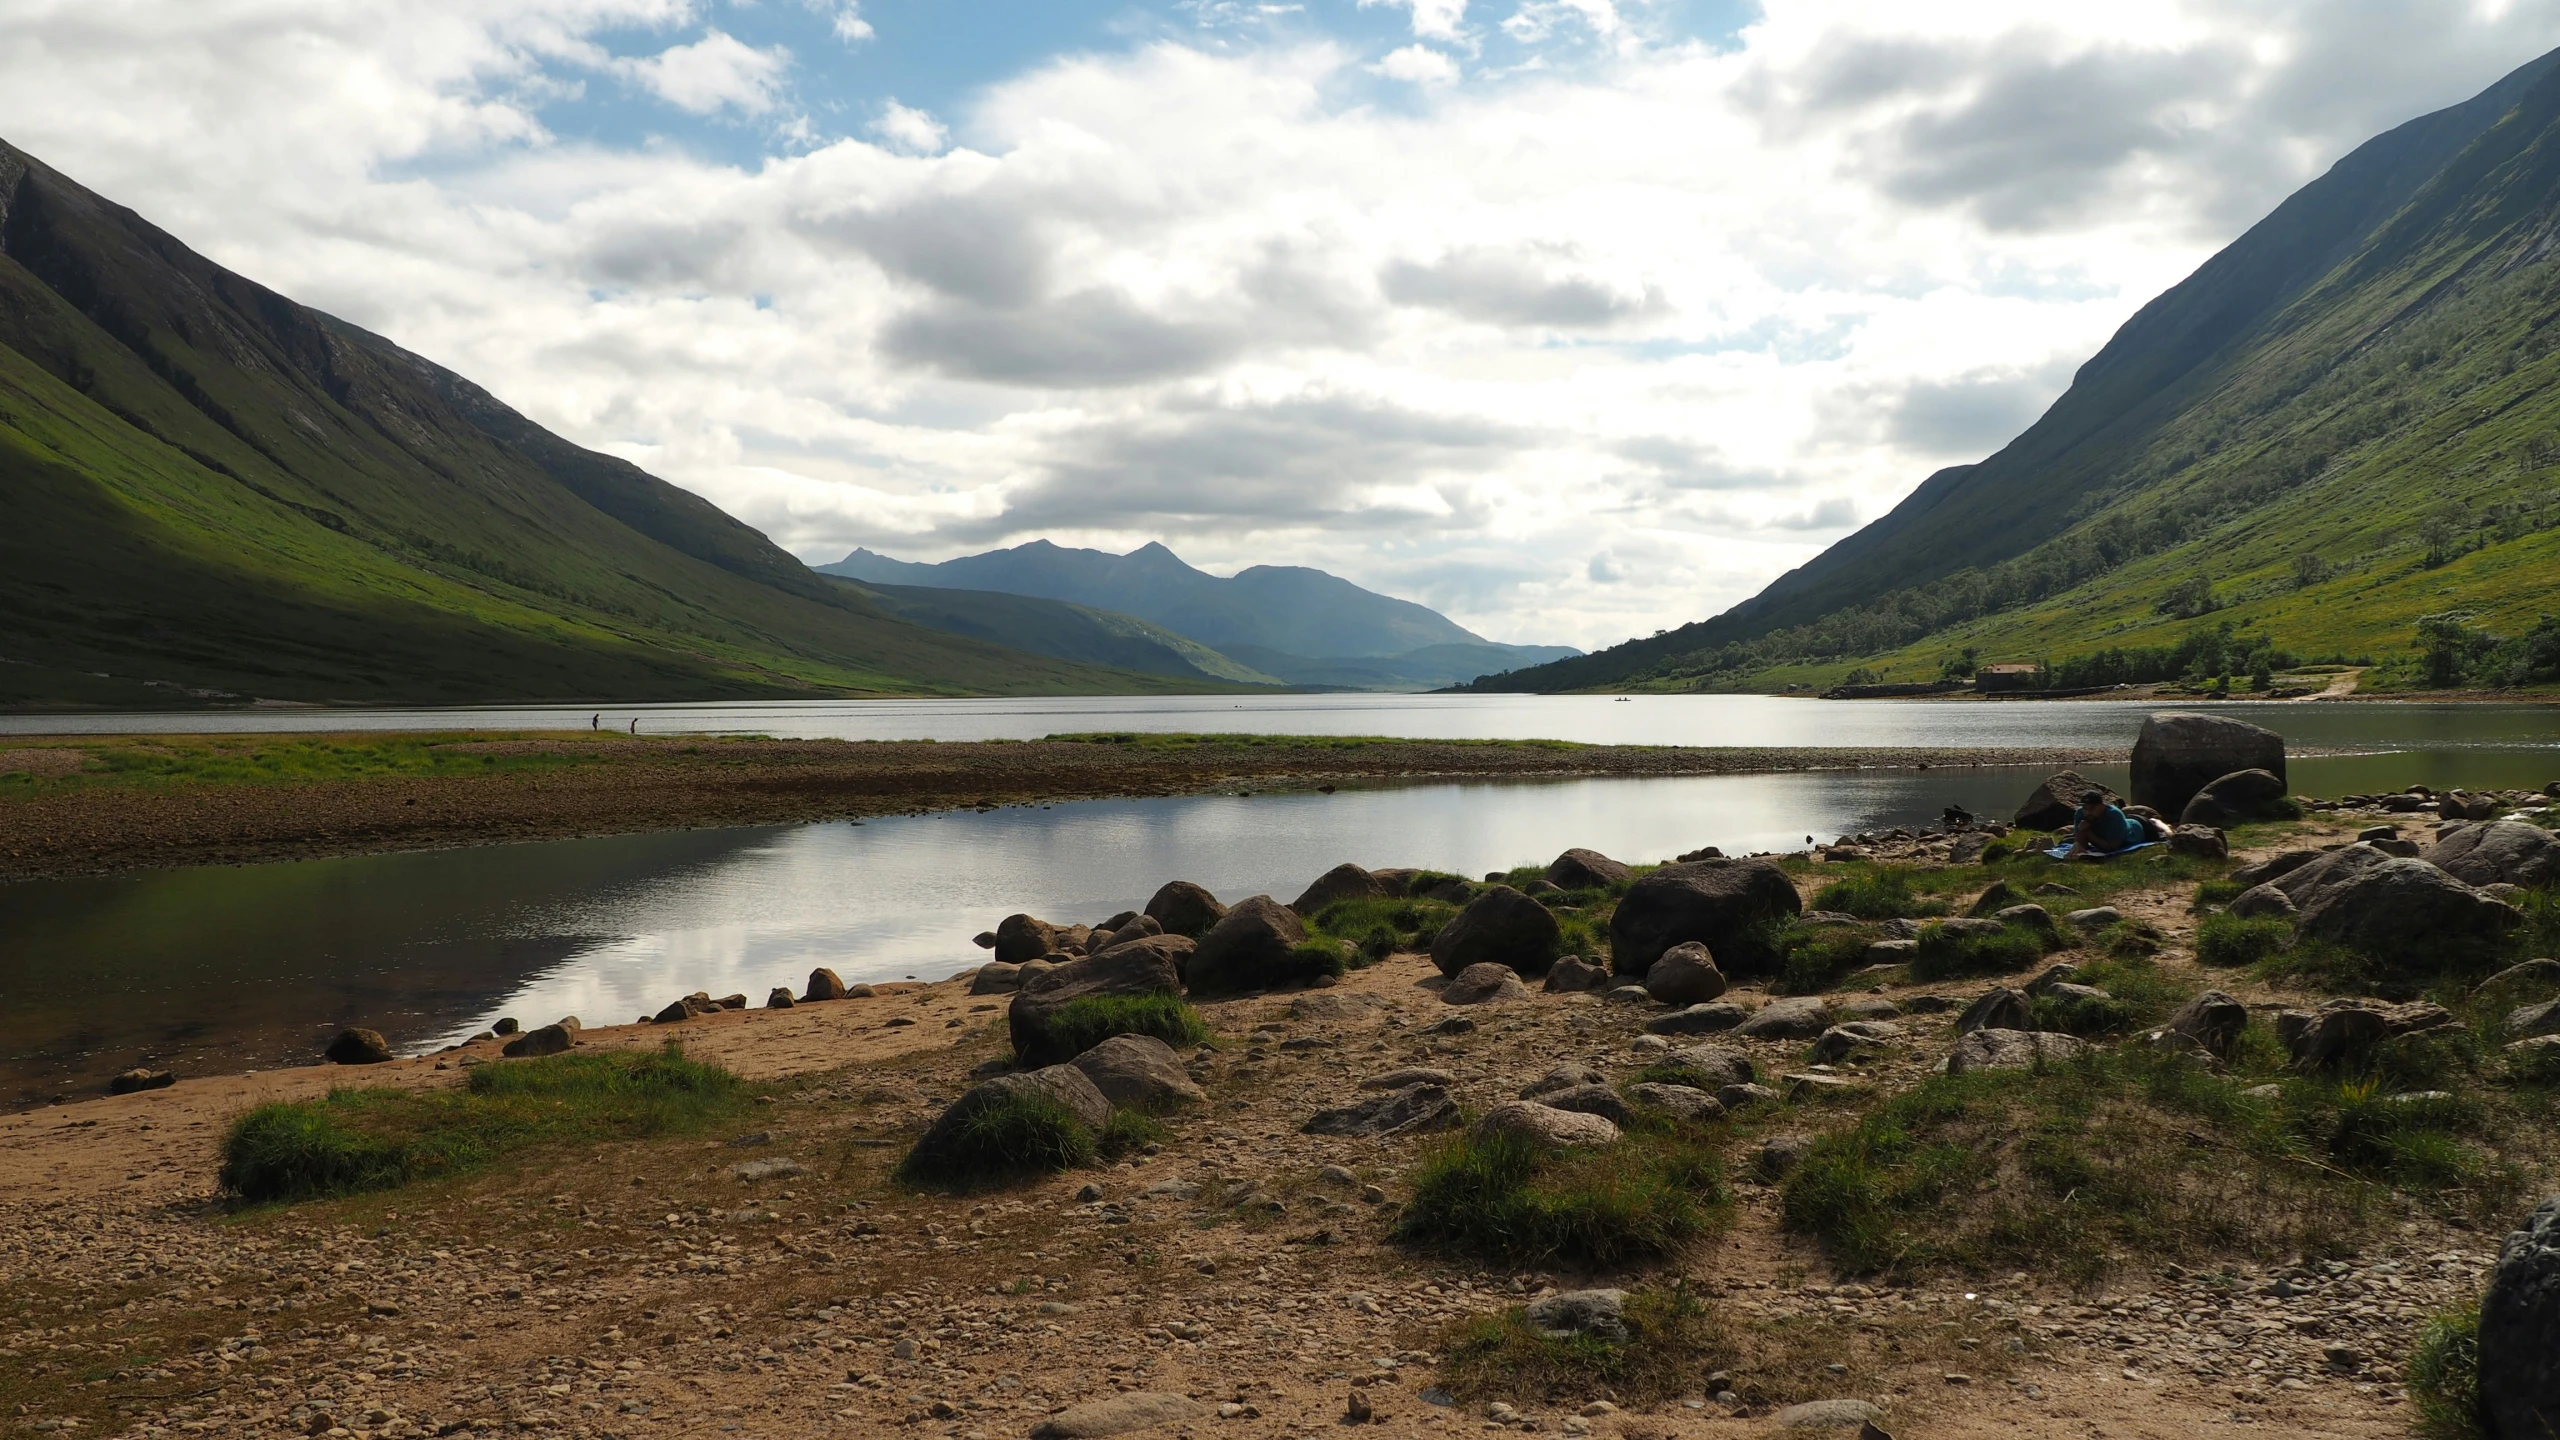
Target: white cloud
(910, 129)
(715, 72)
(1576, 354)
(1432, 19)
(845, 18)
(1418, 65)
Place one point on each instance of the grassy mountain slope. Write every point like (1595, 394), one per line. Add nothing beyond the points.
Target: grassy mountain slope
(1431, 667)
(1290, 609)
(207, 490)
(1067, 632)
(2346, 420)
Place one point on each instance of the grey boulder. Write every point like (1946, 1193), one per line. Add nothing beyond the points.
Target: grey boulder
(1146, 968)
(1562, 1077)
(1139, 1072)
(2055, 802)
(1575, 975)
(1685, 975)
(1718, 903)
(2232, 799)
(1252, 947)
(1416, 1109)
(1598, 1313)
(2211, 1019)
(1119, 1414)
(1709, 1018)
(1025, 937)
(1483, 984)
(1797, 1017)
(1183, 908)
(1342, 882)
(2177, 755)
(1686, 1101)
(2012, 1050)
(1597, 1100)
(2405, 910)
(1585, 870)
(2520, 1332)
(1708, 1067)
(1064, 1084)
(2502, 852)
(1546, 1126)
(1499, 927)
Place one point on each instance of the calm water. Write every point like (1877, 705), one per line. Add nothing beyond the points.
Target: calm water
(213, 969)
(1598, 719)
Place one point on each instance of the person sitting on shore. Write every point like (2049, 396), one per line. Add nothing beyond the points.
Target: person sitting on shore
(2104, 829)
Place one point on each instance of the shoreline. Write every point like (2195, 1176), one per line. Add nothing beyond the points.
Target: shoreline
(82, 819)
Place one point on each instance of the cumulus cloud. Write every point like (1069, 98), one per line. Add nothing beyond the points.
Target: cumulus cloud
(1418, 65)
(1696, 307)
(910, 129)
(845, 18)
(713, 73)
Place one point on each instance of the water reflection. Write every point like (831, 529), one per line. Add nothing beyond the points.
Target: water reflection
(212, 969)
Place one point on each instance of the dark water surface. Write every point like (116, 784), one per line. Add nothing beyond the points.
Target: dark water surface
(220, 968)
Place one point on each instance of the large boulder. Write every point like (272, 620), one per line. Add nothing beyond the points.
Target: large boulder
(2405, 910)
(2502, 852)
(1797, 1017)
(1707, 1067)
(1597, 1100)
(1998, 1008)
(1685, 975)
(1343, 882)
(2275, 867)
(1183, 908)
(1252, 947)
(1718, 903)
(1499, 927)
(2231, 799)
(2203, 842)
(1705, 1018)
(824, 984)
(357, 1046)
(1149, 967)
(1139, 1072)
(1024, 937)
(2177, 755)
(2055, 802)
(1544, 1125)
(1136, 927)
(936, 1151)
(1585, 870)
(2213, 1020)
(551, 1039)
(2520, 1332)
(1482, 984)
(1573, 974)
(2345, 1031)
(2012, 1050)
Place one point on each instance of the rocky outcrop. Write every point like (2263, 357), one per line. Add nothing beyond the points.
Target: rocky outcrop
(2520, 1332)
(2012, 1050)
(1544, 1125)
(1483, 984)
(1183, 908)
(2055, 802)
(1145, 968)
(1586, 870)
(1139, 1072)
(2233, 799)
(357, 1046)
(2501, 852)
(1343, 882)
(1025, 937)
(1250, 948)
(1685, 975)
(2405, 911)
(2177, 755)
(1718, 903)
(1499, 927)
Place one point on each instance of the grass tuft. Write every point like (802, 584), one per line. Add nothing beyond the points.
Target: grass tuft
(1129, 1131)
(1079, 1025)
(1881, 894)
(1501, 1197)
(1945, 955)
(2228, 941)
(2444, 1377)
(1672, 1339)
(377, 1139)
(1025, 1133)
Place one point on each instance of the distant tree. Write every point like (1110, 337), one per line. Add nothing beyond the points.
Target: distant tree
(2309, 569)
(1961, 666)
(2262, 674)
(2188, 598)
(2443, 537)
(2449, 647)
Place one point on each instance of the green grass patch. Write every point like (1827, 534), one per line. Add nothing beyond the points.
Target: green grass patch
(2444, 1377)
(1883, 893)
(1376, 927)
(1079, 1025)
(1946, 955)
(376, 1139)
(1016, 1135)
(1818, 957)
(1672, 1339)
(1502, 1198)
(2137, 995)
(1128, 1132)
(2215, 892)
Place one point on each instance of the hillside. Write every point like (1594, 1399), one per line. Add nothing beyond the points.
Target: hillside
(1302, 626)
(2345, 421)
(1067, 632)
(212, 493)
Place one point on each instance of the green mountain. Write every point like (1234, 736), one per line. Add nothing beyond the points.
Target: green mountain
(2342, 424)
(1303, 626)
(209, 492)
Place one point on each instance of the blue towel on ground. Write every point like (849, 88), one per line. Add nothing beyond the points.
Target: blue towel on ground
(2063, 851)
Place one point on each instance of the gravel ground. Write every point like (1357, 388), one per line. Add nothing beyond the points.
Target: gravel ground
(650, 1290)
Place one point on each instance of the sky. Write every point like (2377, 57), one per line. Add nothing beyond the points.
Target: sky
(1574, 319)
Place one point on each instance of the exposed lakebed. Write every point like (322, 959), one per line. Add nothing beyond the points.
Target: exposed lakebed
(211, 969)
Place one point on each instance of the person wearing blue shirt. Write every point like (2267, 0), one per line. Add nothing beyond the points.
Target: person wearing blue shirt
(2104, 829)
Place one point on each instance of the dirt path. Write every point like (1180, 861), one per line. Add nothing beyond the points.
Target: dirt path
(609, 786)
